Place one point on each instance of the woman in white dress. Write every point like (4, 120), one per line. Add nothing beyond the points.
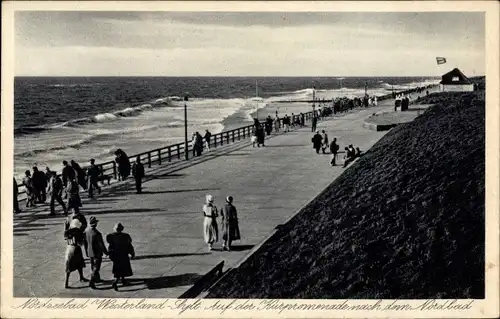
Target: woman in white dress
(210, 229)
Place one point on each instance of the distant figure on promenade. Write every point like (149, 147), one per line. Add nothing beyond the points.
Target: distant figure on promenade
(375, 101)
(207, 138)
(79, 216)
(256, 122)
(94, 249)
(39, 185)
(269, 125)
(260, 136)
(317, 141)
(138, 173)
(397, 103)
(74, 258)
(198, 144)
(123, 164)
(73, 192)
(325, 144)
(16, 193)
(292, 122)
(334, 148)
(314, 122)
(365, 101)
(80, 174)
(286, 123)
(254, 136)
(302, 119)
(277, 124)
(210, 229)
(30, 191)
(55, 192)
(193, 144)
(119, 249)
(230, 227)
(350, 155)
(93, 173)
(68, 173)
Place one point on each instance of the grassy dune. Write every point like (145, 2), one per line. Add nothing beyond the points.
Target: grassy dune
(405, 221)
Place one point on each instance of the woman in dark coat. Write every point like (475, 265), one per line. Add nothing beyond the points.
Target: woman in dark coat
(317, 141)
(123, 164)
(80, 174)
(16, 193)
(120, 247)
(74, 257)
(230, 227)
(74, 201)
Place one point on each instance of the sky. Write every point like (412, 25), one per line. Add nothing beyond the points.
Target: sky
(69, 43)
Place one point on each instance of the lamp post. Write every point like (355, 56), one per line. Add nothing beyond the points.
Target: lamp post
(186, 153)
(366, 88)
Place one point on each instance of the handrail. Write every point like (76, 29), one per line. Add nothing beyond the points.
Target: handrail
(170, 152)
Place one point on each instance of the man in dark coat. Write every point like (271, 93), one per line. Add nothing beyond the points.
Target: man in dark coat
(138, 173)
(68, 173)
(93, 173)
(314, 121)
(94, 248)
(198, 144)
(120, 247)
(207, 138)
(231, 230)
(55, 193)
(302, 119)
(123, 164)
(317, 140)
(30, 192)
(334, 148)
(16, 193)
(40, 185)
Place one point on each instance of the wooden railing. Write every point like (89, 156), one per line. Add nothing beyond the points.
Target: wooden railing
(175, 152)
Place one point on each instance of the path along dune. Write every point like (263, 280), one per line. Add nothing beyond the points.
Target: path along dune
(405, 221)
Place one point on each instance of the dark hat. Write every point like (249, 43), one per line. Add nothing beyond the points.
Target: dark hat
(93, 220)
(92, 160)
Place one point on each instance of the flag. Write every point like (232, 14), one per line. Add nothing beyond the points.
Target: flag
(440, 60)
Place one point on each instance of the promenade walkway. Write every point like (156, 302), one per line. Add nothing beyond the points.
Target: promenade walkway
(269, 185)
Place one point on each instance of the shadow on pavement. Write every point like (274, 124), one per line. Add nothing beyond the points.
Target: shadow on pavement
(119, 211)
(152, 283)
(168, 255)
(180, 190)
(241, 247)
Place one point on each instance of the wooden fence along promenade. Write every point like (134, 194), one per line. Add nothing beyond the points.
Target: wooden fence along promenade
(175, 152)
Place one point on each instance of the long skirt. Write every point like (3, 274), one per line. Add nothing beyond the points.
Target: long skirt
(122, 266)
(232, 230)
(74, 258)
(74, 201)
(210, 230)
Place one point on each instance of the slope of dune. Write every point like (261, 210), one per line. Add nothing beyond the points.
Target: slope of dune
(405, 221)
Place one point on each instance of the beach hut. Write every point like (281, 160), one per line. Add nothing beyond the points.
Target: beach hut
(455, 81)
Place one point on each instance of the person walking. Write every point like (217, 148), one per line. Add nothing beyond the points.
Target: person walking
(123, 164)
(39, 185)
(302, 119)
(334, 148)
(94, 249)
(254, 136)
(316, 140)
(16, 202)
(198, 144)
(119, 249)
(231, 229)
(314, 122)
(207, 138)
(325, 144)
(30, 192)
(138, 173)
(68, 173)
(55, 192)
(193, 143)
(93, 173)
(74, 258)
(73, 193)
(210, 229)
(80, 174)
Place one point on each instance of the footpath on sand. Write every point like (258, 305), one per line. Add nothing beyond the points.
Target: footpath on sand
(269, 185)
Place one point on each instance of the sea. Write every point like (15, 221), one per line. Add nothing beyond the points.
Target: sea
(78, 118)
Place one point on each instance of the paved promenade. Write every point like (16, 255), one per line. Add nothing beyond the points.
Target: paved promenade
(269, 184)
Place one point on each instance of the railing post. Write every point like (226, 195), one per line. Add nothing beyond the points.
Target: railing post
(221, 139)
(169, 154)
(227, 137)
(238, 134)
(114, 170)
(232, 132)
(149, 159)
(178, 151)
(159, 157)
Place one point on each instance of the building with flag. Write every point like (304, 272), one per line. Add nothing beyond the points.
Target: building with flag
(455, 81)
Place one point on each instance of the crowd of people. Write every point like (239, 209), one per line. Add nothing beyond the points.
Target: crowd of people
(39, 185)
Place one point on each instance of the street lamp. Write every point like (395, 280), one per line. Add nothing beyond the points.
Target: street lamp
(186, 153)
